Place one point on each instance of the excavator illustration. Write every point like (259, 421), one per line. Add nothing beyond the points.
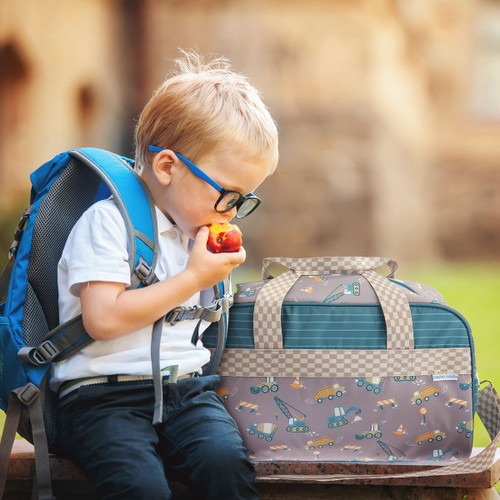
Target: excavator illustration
(339, 416)
(439, 454)
(296, 419)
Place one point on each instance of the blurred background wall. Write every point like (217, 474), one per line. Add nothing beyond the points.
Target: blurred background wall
(389, 111)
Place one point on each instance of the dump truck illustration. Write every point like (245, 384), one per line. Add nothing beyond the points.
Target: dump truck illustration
(430, 436)
(465, 427)
(424, 395)
(319, 443)
(296, 419)
(223, 392)
(372, 383)
(439, 454)
(269, 385)
(265, 430)
(329, 392)
(373, 432)
(339, 416)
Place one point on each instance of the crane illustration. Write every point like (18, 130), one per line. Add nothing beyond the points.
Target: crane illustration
(296, 419)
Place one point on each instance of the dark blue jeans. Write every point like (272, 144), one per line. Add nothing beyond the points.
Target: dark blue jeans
(107, 431)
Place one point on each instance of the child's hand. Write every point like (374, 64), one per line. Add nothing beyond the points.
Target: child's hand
(211, 268)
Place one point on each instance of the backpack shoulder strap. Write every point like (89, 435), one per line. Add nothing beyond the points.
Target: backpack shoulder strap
(138, 211)
(136, 206)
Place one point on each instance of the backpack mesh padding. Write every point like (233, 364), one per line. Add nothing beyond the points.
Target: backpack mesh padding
(69, 196)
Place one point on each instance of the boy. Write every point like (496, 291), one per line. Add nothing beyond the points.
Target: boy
(216, 119)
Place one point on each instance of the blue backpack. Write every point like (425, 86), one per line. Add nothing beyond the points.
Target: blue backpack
(30, 335)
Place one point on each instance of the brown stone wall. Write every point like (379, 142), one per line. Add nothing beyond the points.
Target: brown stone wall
(389, 124)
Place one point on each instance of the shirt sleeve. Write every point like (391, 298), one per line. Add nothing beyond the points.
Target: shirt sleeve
(96, 249)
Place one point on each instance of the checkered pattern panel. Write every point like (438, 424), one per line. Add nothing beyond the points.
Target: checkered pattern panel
(490, 416)
(343, 363)
(396, 311)
(328, 265)
(267, 330)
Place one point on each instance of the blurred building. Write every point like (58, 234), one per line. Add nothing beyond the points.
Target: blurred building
(389, 111)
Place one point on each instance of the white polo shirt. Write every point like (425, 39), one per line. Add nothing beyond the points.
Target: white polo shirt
(96, 250)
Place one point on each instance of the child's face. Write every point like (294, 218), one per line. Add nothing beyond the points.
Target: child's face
(189, 201)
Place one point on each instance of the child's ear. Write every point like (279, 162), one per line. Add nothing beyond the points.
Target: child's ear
(162, 166)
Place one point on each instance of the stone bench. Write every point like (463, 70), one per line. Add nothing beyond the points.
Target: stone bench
(282, 480)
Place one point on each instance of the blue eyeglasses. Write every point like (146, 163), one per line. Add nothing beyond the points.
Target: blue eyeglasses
(245, 204)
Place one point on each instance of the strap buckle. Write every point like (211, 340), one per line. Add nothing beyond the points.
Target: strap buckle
(181, 313)
(40, 355)
(145, 274)
(19, 231)
(27, 394)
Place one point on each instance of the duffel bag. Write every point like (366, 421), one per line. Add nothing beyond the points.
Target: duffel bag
(332, 361)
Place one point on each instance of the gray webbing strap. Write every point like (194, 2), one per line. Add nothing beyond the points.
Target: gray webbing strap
(30, 396)
(60, 343)
(488, 410)
(157, 378)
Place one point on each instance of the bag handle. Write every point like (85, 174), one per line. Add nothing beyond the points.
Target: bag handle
(268, 304)
(329, 265)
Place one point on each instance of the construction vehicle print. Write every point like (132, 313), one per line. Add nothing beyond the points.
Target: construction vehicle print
(296, 419)
(319, 443)
(329, 392)
(404, 378)
(282, 447)
(391, 403)
(373, 432)
(425, 394)
(465, 427)
(265, 430)
(339, 416)
(350, 447)
(465, 385)
(341, 290)
(439, 454)
(245, 404)
(462, 405)
(269, 385)
(372, 383)
(393, 454)
(430, 436)
(223, 392)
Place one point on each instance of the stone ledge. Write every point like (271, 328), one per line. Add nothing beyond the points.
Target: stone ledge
(282, 480)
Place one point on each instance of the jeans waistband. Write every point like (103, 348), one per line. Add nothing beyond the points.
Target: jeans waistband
(68, 390)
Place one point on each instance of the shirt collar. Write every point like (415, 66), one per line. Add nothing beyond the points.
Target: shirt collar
(163, 223)
(164, 226)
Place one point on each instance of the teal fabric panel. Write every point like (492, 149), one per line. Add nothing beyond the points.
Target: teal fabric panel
(353, 326)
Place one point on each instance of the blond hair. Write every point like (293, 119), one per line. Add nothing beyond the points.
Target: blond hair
(204, 106)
